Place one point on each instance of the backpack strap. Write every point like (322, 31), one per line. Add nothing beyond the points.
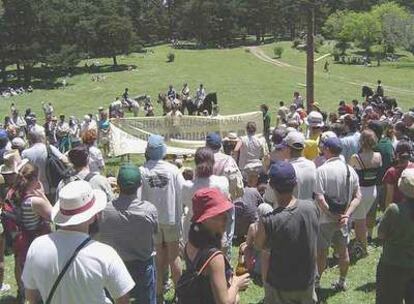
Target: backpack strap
(204, 266)
(65, 268)
(89, 176)
(361, 163)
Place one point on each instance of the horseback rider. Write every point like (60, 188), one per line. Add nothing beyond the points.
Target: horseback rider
(125, 96)
(380, 89)
(185, 91)
(171, 94)
(200, 95)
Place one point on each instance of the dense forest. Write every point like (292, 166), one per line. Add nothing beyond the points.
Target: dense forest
(60, 33)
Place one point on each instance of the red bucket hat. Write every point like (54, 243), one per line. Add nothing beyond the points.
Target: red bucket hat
(208, 203)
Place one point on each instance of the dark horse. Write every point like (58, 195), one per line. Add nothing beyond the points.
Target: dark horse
(368, 93)
(209, 101)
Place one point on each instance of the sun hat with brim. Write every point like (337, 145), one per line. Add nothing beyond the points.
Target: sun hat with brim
(77, 204)
(12, 162)
(208, 203)
(406, 183)
(314, 119)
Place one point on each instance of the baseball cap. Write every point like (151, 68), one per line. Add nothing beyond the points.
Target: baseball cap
(406, 182)
(156, 148)
(333, 143)
(208, 203)
(129, 176)
(282, 175)
(3, 134)
(294, 139)
(213, 140)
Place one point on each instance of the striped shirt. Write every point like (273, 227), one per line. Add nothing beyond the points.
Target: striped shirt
(30, 220)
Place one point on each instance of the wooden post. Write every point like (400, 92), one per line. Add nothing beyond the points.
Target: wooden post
(310, 48)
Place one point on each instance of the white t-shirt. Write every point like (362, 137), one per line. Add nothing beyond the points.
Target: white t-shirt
(306, 178)
(189, 188)
(96, 160)
(97, 266)
(331, 181)
(252, 150)
(162, 185)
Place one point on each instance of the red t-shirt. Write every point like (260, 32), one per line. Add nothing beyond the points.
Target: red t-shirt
(391, 177)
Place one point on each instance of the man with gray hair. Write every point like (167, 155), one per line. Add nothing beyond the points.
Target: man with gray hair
(37, 154)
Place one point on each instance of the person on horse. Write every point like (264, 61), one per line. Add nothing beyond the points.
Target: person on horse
(185, 91)
(171, 94)
(380, 89)
(125, 96)
(200, 95)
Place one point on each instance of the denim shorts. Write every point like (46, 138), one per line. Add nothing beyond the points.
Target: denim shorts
(144, 276)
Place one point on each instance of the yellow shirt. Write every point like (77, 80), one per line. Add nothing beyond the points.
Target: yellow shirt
(311, 150)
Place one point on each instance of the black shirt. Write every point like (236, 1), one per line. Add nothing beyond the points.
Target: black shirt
(292, 235)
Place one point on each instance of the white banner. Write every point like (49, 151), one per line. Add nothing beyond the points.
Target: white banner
(182, 134)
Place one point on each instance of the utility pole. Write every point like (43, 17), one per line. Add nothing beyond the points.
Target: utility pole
(310, 49)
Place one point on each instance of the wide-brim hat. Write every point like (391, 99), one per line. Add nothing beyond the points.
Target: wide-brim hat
(314, 119)
(406, 183)
(77, 204)
(12, 162)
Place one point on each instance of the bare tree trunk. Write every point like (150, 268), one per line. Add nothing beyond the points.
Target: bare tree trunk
(310, 47)
(115, 60)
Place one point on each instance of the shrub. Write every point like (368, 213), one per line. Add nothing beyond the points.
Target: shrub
(278, 51)
(170, 57)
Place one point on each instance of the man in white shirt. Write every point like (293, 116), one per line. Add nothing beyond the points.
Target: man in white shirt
(337, 200)
(162, 185)
(95, 267)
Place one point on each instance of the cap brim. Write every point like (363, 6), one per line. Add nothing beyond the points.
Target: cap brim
(63, 220)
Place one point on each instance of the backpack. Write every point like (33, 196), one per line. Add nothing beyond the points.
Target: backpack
(189, 287)
(235, 178)
(56, 170)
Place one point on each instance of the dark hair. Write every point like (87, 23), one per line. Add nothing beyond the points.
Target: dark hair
(251, 127)
(265, 107)
(377, 127)
(202, 238)
(282, 188)
(403, 150)
(204, 160)
(79, 156)
(281, 103)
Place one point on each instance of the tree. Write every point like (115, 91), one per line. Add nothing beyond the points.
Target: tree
(114, 36)
(333, 29)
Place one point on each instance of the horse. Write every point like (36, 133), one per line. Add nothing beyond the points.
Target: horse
(132, 105)
(368, 93)
(207, 104)
(167, 104)
(142, 99)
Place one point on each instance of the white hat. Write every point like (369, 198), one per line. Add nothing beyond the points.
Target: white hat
(295, 140)
(77, 203)
(12, 162)
(314, 119)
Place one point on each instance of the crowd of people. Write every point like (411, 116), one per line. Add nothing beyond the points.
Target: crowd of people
(285, 194)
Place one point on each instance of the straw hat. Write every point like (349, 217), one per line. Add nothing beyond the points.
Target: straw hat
(12, 162)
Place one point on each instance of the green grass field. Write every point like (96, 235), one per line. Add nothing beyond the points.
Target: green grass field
(243, 82)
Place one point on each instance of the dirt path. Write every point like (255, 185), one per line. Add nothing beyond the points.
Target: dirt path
(261, 55)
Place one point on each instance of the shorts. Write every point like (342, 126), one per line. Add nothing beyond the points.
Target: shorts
(368, 197)
(380, 200)
(275, 296)
(167, 234)
(331, 233)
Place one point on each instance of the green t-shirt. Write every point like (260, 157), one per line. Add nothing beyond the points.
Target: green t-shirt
(397, 227)
(385, 148)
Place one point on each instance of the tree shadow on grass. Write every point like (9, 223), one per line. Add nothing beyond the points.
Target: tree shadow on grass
(367, 287)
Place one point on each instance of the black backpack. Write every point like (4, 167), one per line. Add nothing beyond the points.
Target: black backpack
(189, 287)
(56, 170)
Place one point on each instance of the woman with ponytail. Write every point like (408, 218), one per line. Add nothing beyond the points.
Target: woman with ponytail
(204, 178)
(27, 215)
(395, 271)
